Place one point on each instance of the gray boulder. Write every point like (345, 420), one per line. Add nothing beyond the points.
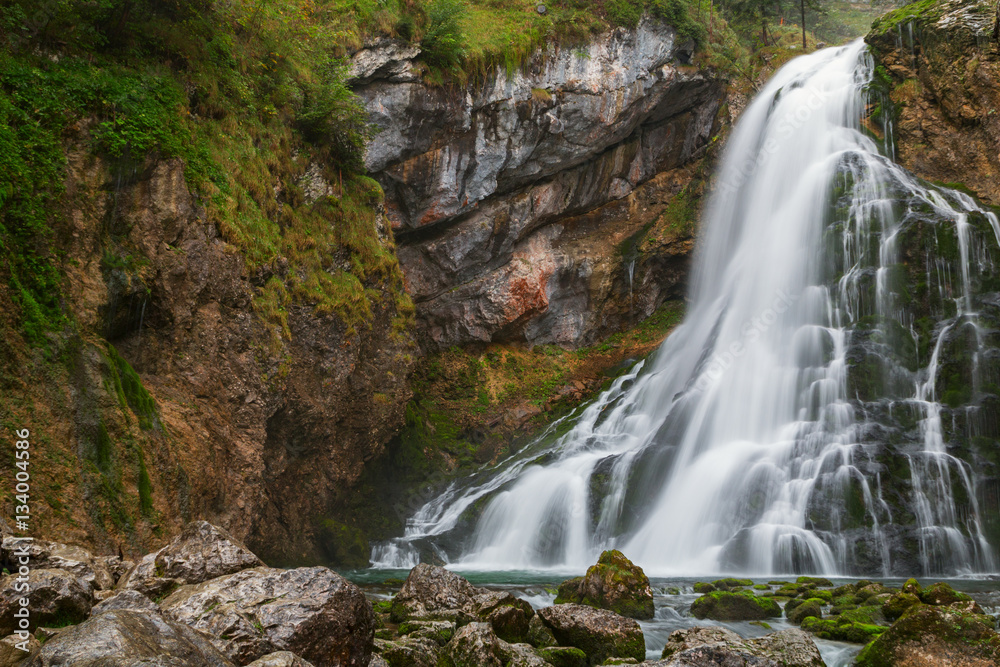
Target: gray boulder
(788, 648)
(475, 645)
(280, 659)
(434, 593)
(599, 633)
(55, 597)
(681, 640)
(201, 552)
(312, 612)
(11, 653)
(127, 599)
(126, 638)
(408, 652)
(44, 555)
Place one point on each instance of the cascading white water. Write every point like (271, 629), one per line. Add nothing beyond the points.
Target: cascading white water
(738, 446)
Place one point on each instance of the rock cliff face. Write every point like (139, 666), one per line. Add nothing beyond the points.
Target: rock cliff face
(944, 66)
(523, 203)
(250, 430)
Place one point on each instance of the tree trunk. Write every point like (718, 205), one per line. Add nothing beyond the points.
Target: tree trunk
(802, 6)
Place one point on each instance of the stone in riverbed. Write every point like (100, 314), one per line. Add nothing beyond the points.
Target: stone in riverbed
(434, 593)
(810, 608)
(897, 605)
(788, 648)
(943, 594)
(685, 638)
(201, 552)
(539, 634)
(125, 638)
(738, 606)
(280, 659)
(55, 597)
(936, 635)
(599, 633)
(311, 611)
(614, 583)
(563, 656)
(408, 652)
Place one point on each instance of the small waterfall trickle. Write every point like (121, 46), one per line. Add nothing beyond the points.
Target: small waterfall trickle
(795, 421)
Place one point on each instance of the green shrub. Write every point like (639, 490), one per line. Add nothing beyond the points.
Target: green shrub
(678, 14)
(624, 13)
(444, 43)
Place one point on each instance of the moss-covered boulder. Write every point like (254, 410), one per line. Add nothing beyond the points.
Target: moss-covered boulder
(731, 584)
(539, 634)
(935, 635)
(841, 630)
(813, 608)
(702, 587)
(897, 605)
(816, 581)
(912, 586)
(599, 633)
(735, 606)
(942, 594)
(614, 583)
(871, 590)
(563, 656)
(788, 648)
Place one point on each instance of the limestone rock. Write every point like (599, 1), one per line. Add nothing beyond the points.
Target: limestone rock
(53, 555)
(614, 583)
(126, 638)
(127, 599)
(408, 652)
(788, 648)
(280, 659)
(475, 645)
(313, 612)
(681, 640)
(936, 635)
(12, 656)
(597, 632)
(434, 593)
(54, 597)
(201, 552)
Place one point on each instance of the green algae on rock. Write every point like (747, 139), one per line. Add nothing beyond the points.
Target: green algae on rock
(614, 583)
(735, 606)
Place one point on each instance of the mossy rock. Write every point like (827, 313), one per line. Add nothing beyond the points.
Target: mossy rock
(897, 605)
(871, 589)
(731, 584)
(912, 586)
(735, 606)
(808, 608)
(837, 629)
(672, 590)
(539, 634)
(825, 596)
(817, 581)
(614, 583)
(563, 656)
(927, 634)
(942, 594)
(761, 587)
(440, 632)
(846, 589)
(703, 587)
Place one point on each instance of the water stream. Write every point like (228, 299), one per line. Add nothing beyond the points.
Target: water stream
(809, 414)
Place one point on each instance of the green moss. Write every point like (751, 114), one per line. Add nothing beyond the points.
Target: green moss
(734, 606)
(342, 544)
(731, 584)
(563, 656)
(703, 587)
(145, 488)
(808, 608)
(131, 393)
(919, 11)
(837, 629)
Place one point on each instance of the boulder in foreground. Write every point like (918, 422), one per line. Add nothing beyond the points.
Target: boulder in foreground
(201, 552)
(788, 648)
(310, 611)
(599, 633)
(126, 638)
(936, 635)
(54, 598)
(614, 583)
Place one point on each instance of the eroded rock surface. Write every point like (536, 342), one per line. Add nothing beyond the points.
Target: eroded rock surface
(614, 583)
(55, 597)
(491, 188)
(312, 612)
(599, 633)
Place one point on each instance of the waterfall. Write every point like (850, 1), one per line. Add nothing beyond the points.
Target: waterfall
(794, 422)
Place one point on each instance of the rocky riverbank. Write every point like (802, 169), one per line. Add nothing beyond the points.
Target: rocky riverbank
(207, 600)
